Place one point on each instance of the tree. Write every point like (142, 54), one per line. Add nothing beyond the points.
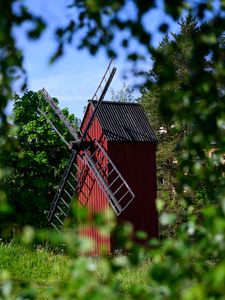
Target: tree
(125, 94)
(36, 162)
(175, 50)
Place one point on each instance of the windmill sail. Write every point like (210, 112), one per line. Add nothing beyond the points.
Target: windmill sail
(61, 203)
(111, 182)
(60, 114)
(100, 94)
(53, 127)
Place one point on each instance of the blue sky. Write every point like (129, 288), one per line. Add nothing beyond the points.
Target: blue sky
(74, 78)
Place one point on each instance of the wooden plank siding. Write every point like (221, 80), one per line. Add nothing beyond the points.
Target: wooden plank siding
(136, 161)
(97, 201)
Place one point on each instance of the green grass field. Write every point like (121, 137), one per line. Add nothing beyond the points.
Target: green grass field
(37, 265)
(46, 269)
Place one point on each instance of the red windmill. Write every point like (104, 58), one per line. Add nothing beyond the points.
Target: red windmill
(112, 164)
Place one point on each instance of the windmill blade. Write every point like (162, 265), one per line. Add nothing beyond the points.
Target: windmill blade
(61, 203)
(102, 89)
(72, 181)
(99, 91)
(91, 154)
(53, 127)
(109, 179)
(59, 113)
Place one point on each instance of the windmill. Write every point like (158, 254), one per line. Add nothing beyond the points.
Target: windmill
(87, 155)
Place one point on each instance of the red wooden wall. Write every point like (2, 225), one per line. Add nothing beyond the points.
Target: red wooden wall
(97, 201)
(137, 164)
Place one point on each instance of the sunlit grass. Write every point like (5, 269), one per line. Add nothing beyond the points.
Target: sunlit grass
(36, 265)
(46, 269)
(135, 275)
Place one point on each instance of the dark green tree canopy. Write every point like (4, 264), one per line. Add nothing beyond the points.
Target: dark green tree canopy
(174, 54)
(37, 160)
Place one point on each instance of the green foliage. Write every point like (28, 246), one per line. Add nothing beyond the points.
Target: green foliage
(176, 51)
(12, 15)
(54, 274)
(36, 161)
(36, 264)
(193, 261)
(97, 23)
(6, 146)
(190, 266)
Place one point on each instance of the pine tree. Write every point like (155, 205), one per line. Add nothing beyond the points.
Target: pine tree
(172, 53)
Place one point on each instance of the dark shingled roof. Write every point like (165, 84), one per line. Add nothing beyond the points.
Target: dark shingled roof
(124, 121)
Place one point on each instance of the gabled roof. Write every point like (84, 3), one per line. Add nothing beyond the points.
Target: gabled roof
(124, 121)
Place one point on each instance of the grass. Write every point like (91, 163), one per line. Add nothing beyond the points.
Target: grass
(46, 269)
(37, 265)
(135, 275)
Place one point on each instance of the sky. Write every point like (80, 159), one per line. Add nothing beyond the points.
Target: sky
(74, 78)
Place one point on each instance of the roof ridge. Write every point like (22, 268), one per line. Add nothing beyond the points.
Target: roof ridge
(123, 121)
(115, 102)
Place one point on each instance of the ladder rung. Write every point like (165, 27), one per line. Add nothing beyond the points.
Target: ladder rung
(65, 203)
(110, 172)
(106, 186)
(72, 187)
(113, 181)
(123, 196)
(100, 159)
(124, 207)
(60, 221)
(93, 154)
(88, 148)
(101, 171)
(56, 228)
(62, 117)
(61, 211)
(114, 193)
(117, 208)
(73, 176)
(104, 168)
(114, 167)
(76, 167)
(68, 194)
